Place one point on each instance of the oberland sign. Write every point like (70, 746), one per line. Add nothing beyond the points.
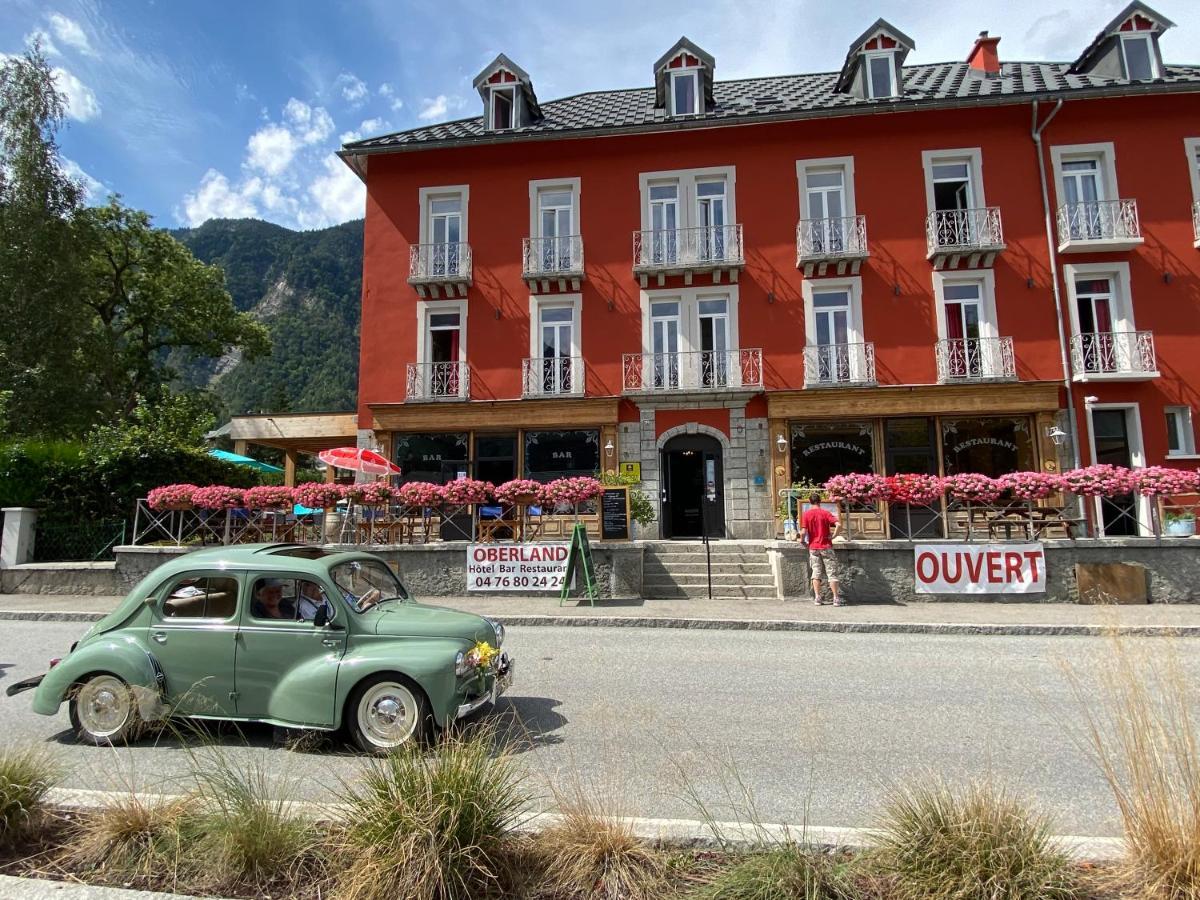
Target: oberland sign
(980, 568)
(507, 567)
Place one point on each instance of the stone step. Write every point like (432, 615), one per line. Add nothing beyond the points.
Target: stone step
(693, 557)
(701, 578)
(700, 592)
(650, 567)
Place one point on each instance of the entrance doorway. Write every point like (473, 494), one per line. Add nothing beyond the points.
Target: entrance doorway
(1114, 445)
(693, 489)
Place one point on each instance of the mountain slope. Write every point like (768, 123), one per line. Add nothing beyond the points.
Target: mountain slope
(305, 286)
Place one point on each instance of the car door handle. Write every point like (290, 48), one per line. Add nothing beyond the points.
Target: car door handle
(331, 642)
(160, 636)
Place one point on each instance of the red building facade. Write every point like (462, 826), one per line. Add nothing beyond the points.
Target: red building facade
(741, 285)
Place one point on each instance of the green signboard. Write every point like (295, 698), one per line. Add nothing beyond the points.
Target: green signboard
(579, 559)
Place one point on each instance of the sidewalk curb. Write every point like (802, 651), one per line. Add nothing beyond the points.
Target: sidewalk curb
(810, 626)
(13, 888)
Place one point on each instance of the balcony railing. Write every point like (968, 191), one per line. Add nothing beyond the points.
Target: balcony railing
(954, 234)
(687, 251)
(1196, 221)
(1116, 354)
(842, 241)
(434, 266)
(839, 364)
(702, 370)
(438, 381)
(975, 359)
(553, 259)
(1107, 225)
(554, 376)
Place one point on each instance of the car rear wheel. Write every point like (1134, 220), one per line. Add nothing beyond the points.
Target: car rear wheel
(387, 712)
(103, 711)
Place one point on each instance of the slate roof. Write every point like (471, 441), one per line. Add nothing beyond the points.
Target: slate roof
(785, 96)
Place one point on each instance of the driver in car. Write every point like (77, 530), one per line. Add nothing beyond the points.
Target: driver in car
(312, 598)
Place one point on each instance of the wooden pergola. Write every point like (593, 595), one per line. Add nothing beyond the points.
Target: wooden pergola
(293, 433)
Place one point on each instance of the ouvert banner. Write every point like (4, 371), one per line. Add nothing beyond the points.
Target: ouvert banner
(980, 568)
(506, 567)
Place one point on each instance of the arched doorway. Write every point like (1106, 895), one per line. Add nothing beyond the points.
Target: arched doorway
(693, 487)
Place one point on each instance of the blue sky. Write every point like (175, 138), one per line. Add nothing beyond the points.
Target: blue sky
(199, 109)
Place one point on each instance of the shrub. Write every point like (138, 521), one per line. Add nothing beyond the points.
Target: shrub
(780, 873)
(26, 774)
(432, 826)
(974, 844)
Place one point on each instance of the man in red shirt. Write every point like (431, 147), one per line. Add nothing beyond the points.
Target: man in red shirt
(820, 528)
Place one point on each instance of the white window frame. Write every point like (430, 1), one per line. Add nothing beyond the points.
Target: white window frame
(426, 194)
(1187, 433)
(1118, 273)
(689, 314)
(511, 88)
(1137, 457)
(697, 76)
(1104, 151)
(686, 180)
(972, 156)
(538, 302)
(543, 185)
(868, 82)
(427, 308)
(855, 327)
(1148, 37)
(986, 278)
(1192, 147)
(845, 163)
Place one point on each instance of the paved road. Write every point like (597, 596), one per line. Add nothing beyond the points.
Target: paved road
(808, 720)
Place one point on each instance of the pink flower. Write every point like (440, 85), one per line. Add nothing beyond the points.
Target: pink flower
(218, 496)
(319, 494)
(518, 489)
(420, 493)
(463, 491)
(857, 487)
(974, 488)
(1100, 481)
(922, 490)
(171, 495)
(1160, 481)
(569, 492)
(268, 496)
(1032, 485)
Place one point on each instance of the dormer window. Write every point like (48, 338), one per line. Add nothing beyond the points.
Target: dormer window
(685, 97)
(880, 75)
(1138, 55)
(503, 109)
(873, 66)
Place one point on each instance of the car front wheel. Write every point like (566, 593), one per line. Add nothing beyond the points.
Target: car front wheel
(387, 712)
(103, 711)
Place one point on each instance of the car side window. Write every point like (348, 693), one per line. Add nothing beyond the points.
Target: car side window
(201, 597)
(274, 600)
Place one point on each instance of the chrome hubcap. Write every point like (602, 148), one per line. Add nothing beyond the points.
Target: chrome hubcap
(103, 706)
(387, 715)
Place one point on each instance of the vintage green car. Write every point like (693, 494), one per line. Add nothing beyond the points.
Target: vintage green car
(279, 633)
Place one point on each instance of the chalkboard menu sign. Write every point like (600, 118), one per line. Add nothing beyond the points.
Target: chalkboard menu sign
(614, 514)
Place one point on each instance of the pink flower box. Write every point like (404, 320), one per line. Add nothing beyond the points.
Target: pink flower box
(319, 494)
(1100, 481)
(218, 496)
(464, 491)
(569, 492)
(921, 490)
(269, 496)
(1032, 485)
(1161, 481)
(421, 493)
(519, 490)
(172, 496)
(859, 487)
(971, 487)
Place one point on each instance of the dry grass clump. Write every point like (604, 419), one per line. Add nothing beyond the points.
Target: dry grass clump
(781, 872)
(26, 774)
(132, 839)
(432, 826)
(977, 843)
(592, 852)
(1141, 728)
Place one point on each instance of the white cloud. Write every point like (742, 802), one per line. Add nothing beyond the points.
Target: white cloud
(216, 199)
(354, 89)
(93, 189)
(310, 124)
(336, 196)
(389, 93)
(434, 108)
(69, 32)
(82, 104)
(368, 128)
(271, 149)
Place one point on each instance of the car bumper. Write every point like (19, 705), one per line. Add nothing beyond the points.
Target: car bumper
(27, 685)
(500, 683)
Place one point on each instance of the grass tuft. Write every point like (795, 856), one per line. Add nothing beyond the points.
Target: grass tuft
(432, 826)
(782, 872)
(132, 839)
(978, 843)
(26, 775)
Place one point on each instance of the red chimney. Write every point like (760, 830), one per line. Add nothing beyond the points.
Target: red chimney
(983, 55)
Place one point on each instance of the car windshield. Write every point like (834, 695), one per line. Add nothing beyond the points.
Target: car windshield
(359, 577)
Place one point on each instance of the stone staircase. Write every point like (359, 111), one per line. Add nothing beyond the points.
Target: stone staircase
(676, 569)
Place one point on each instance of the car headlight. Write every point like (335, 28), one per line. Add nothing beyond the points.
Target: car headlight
(460, 664)
(499, 629)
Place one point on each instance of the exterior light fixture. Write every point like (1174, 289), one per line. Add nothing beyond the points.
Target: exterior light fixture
(1057, 435)
(1029, 283)
(497, 312)
(896, 289)
(1166, 277)
(1090, 399)
(781, 443)
(770, 296)
(608, 448)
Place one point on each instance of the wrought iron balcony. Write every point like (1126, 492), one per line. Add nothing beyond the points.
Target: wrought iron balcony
(702, 370)
(434, 267)
(1196, 222)
(687, 252)
(838, 241)
(553, 261)
(438, 381)
(955, 235)
(554, 376)
(1107, 225)
(829, 365)
(975, 359)
(1114, 356)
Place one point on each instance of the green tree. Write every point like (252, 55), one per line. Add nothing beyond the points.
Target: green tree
(147, 295)
(40, 340)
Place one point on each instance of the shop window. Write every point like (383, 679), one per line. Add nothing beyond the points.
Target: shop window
(436, 458)
(990, 446)
(496, 457)
(821, 450)
(561, 454)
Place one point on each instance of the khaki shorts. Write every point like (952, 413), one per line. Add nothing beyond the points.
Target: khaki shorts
(822, 564)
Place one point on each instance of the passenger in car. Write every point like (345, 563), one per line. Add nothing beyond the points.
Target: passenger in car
(312, 598)
(268, 602)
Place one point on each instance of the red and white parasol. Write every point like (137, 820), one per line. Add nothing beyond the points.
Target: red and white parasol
(358, 460)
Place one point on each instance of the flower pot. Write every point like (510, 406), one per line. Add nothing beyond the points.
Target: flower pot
(176, 507)
(1181, 528)
(525, 499)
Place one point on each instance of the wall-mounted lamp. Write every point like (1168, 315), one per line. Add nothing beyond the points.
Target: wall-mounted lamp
(610, 304)
(1029, 283)
(497, 312)
(1057, 435)
(609, 448)
(781, 443)
(770, 296)
(896, 289)
(1167, 277)
(1090, 399)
